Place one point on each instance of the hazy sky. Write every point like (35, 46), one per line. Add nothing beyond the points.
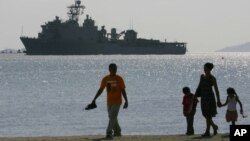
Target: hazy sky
(206, 25)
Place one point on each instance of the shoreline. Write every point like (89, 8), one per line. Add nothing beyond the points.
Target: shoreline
(180, 137)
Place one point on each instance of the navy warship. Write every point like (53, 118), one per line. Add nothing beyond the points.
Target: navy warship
(70, 38)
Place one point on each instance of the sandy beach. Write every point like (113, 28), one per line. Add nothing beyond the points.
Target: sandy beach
(219, 137)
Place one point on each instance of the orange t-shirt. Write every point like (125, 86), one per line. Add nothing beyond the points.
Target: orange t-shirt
(114, 86)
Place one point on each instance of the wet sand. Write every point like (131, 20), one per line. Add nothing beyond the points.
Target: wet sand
(219, 137)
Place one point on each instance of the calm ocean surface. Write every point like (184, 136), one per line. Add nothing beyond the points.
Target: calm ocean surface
(45, 95)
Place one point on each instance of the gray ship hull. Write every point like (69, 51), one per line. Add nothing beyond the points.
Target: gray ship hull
(72, 38)
(36, 46)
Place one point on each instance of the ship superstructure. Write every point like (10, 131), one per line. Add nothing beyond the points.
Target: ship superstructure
(70, 38)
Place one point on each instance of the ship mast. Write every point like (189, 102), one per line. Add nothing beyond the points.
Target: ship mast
(75, 10)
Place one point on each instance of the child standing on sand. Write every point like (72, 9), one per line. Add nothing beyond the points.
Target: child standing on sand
(232, 99)
(189, 109)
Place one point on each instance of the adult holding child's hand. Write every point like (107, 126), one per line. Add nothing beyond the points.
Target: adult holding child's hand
(208, 101)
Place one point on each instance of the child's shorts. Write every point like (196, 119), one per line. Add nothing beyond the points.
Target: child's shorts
(231, 116)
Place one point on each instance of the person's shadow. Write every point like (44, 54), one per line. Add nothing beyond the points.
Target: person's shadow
(101, 139)
(208, 137)
(201, 137)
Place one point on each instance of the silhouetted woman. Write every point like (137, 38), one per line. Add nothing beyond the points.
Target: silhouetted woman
(208, 101)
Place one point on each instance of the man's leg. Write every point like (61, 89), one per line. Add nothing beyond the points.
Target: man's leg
(113, 111)
(117, 128)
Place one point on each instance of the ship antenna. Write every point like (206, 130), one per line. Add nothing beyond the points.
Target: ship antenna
(75, 10)
(22, 31)
(131, 24)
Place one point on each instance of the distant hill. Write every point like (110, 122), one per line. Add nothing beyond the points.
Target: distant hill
(237, 48)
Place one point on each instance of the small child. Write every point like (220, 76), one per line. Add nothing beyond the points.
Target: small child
(232, 99)
(189, 109)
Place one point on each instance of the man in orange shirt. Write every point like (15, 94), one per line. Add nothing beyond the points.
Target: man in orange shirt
(115, 90)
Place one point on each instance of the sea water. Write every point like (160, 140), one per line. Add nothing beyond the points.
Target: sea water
(46, 95)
